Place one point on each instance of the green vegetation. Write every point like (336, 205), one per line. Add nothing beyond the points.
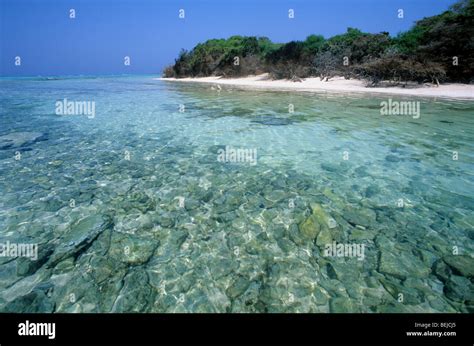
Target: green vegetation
(217, 57)
(436, 49)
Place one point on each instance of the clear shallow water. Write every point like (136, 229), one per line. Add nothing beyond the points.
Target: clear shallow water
(103, 199)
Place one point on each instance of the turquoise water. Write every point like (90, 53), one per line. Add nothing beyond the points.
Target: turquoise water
(133, 211)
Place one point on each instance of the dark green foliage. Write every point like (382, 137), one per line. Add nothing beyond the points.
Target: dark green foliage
(426, 52)
(441, 38)
(353, 47)
(291, 51)
(340, 45)
(450, 35)
(408, 42)
(218, 57)
(313, 44)
(369, 46)
(288, 61)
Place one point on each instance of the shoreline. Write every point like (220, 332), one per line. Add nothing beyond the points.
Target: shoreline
(335, 85)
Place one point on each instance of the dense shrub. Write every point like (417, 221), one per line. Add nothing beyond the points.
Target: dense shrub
(400, 69)
(168, 72)
(427, 52)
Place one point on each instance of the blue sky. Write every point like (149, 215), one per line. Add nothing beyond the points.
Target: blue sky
(151, 33)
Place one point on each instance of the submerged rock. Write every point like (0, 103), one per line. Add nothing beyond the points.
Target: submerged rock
(460, 289)
(19, 139)
(81, 235)
(276, 195)
(358, 234)
(361, 216)
(26, 266)
(341, 304)
(249, 299)
(372, 190)
(402, 265)
(324, 237)
(238, 287)
(36, 301)
(310, 228)
(320, 214)
(319, 226)
(409, 295)
(271, 120)
(392, 158)
(136, 294)
(442, 271)
(330, 167)
(131, 249)
(462, 264)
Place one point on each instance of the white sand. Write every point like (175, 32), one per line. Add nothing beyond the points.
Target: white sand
(337, 84)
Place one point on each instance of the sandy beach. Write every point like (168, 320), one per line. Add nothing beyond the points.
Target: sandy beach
(334, 85)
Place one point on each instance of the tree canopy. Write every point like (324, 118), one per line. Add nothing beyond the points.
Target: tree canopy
(436, 48)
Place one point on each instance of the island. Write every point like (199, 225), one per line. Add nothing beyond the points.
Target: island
(434, 58)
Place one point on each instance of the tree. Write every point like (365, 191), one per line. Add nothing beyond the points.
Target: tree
(436, 48)
(313, 44)
(400, 70)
